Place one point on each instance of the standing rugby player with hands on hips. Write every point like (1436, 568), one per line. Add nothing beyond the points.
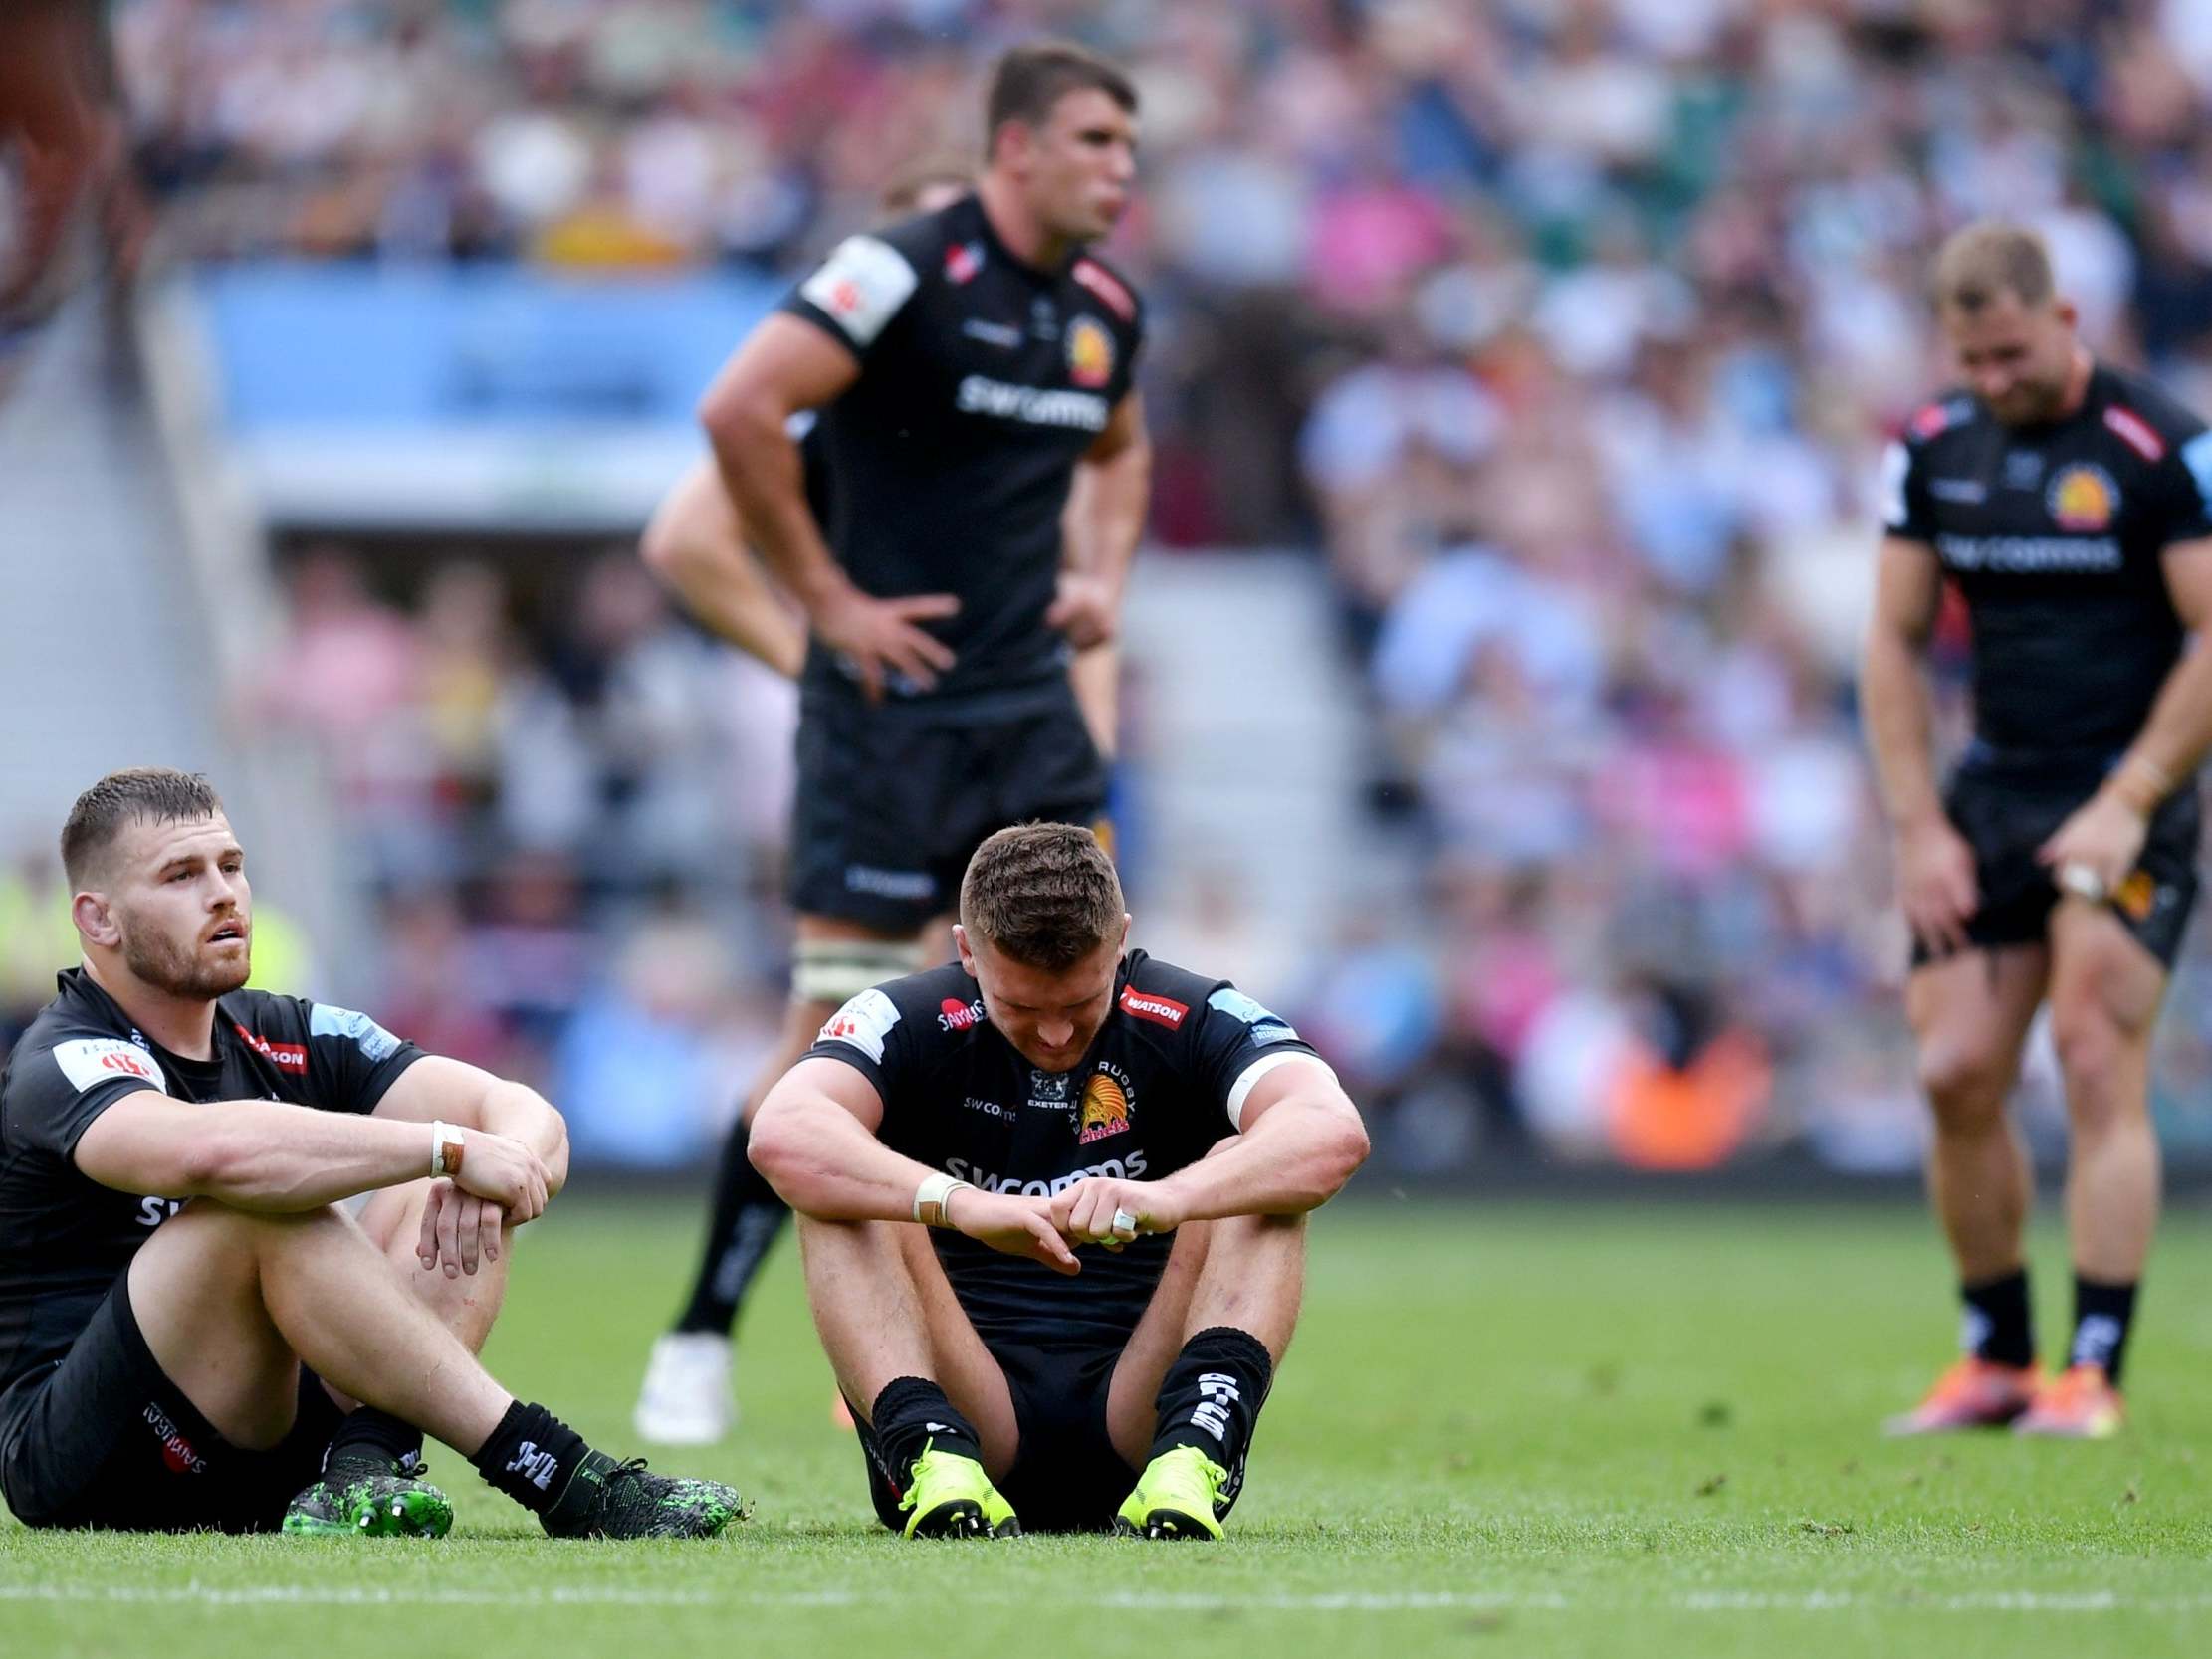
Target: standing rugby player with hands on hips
(986, 476)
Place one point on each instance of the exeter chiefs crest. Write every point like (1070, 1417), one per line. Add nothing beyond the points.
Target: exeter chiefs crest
(2083, 498)
(1090, 352)
(1105, 1109)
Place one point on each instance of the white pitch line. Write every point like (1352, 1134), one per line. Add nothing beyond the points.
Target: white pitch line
(1348, 1601)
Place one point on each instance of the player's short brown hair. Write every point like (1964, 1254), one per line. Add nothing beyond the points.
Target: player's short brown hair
(1029, 79)
(1987, 259)
(134, 795)
(1044, 895)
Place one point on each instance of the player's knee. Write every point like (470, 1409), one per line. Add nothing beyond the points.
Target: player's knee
(1965, 1086)
(216, 1239)
(827, 973)
(2096, 1057)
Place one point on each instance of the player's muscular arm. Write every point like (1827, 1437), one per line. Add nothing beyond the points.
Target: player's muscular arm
(463, 1218)
(1893, 696)
(815, 1138)
(436, 1088)
(787, 366)
(1105, 518)
(696, 544)
(1935, 867)
(2179, 732)
(269, 1156)
(1302, 1139)
(2104, 835)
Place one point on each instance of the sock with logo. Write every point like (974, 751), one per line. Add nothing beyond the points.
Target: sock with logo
(746, 1217)
(2101, 1316)
(373, 1436)
(530, 1456)
(1210, 1399)
(912, 1415)
(1998, 1326)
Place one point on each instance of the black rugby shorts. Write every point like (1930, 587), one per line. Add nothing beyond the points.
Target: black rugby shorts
(101, 1438)
(2006, 816)
(1067, 1474)
(894, 799)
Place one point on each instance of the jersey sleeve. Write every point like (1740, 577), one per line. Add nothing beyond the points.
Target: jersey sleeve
(351, 1059)
(1905, 504)
(2185, 499)
(856, 293)
(872, 1036)
(57, 1088)
(1238, 1042)
(1124, 317)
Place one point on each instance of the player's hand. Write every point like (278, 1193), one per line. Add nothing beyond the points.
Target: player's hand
(1085, 608)
(459, 1229)
(880, 636)
(2095, 849)
(1011, 1225)
(1088, 1211)
(1936, 884)
(504, 1171)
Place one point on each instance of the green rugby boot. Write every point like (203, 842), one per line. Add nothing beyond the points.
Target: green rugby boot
(950, 1496)
(1177, 1497)
(362, 1494)
(606, 1499)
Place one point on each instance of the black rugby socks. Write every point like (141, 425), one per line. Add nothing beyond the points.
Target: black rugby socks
(373, 1436)
(745, 1218)
(912, 1415)
(1211, 1396)
(1998, 1326)
(2101, 1316)
(530, 1456)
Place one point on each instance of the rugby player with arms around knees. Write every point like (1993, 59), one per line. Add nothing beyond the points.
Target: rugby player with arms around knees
(193, 1334)
(2068, 502)
(1111, 1161)
(986, 476)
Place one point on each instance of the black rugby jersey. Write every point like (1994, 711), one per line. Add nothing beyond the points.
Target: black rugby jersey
(1164, 1080)
(983, 381)
(2052, 534)
(64, 1238)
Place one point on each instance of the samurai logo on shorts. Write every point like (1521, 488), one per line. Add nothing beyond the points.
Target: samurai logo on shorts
(1105, 1106)
(176, 1451)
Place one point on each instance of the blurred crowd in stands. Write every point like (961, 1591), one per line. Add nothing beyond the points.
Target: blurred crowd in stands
(1566, 332)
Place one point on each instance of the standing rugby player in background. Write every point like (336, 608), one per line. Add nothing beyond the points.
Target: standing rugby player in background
(2069, 503)
(973, 372)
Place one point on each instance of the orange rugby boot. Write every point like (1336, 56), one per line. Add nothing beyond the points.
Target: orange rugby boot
(1974, 1393)
(2080, 1403)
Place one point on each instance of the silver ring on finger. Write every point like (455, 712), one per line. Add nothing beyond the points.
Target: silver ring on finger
(2082, 881)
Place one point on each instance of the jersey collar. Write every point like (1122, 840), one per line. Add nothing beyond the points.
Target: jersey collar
(1042, 274)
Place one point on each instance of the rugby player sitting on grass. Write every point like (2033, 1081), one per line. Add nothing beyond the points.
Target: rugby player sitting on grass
(1050, 1092)
(187, 1317)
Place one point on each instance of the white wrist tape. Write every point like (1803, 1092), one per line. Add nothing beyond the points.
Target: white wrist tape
(933, 1197)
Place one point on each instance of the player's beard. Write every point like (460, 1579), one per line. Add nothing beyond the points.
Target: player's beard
(158, 961)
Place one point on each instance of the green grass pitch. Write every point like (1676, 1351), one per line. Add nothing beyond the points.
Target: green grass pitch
(1536, 1430)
